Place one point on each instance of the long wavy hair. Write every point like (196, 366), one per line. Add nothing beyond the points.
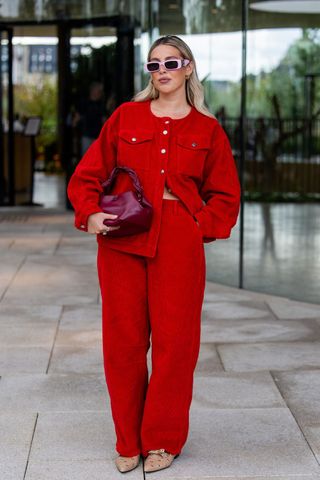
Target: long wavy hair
(194, 89)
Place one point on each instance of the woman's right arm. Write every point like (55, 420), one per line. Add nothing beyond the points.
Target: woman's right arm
(84, 188)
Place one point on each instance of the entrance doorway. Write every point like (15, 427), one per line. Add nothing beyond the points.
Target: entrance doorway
(85, 69)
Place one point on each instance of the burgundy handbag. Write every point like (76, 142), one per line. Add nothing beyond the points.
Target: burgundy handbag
(133, 209)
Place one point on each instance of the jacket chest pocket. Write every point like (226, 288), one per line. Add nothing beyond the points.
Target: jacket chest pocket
(134, 148)
(191, 153)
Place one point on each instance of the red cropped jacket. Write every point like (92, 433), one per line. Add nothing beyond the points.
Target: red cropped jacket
(191, 155)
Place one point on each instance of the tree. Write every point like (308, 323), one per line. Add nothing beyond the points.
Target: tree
(287, 81)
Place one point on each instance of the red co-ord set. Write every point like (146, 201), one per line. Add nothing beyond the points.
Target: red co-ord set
(152, 283)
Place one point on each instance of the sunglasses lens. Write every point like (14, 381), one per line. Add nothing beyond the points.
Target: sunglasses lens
(153, 66)
(171, 64)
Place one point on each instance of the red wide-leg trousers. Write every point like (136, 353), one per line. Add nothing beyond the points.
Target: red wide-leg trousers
(161, 298)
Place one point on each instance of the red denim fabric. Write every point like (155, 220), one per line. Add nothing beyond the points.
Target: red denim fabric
(162, 295)
(191, 155)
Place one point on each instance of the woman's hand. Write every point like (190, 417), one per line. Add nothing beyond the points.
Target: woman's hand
(96, 225)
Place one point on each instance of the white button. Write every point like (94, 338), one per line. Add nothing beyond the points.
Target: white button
(162, 171)
(163, 150)
(133, 139)
(165, 132)
(82, 226)
(167, 121)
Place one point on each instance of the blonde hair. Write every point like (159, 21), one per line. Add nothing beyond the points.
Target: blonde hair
(194, 89)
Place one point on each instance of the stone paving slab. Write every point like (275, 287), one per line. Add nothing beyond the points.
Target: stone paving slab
(76, 245)
(235, 310)
(22, 229)
(10, 264)
(13, 471)
(289, 309)
(270, 356)
(22, 359)
(313, 436)
(80, 326)
(301, 391)
(44, 219)
(243, 442)
(258, 330)
(208, 360)
(233, 292)
(66, 230)
(43, 392)
(76, 338)
(226, 296)
(74, 316)
(59, 280)
(41, 335)
(259, 477)
(29, 314)
(73, 436)
(16, 434)
(76, 359)
(5, 243)
(80, 470)
(39, 244)
(236, 390)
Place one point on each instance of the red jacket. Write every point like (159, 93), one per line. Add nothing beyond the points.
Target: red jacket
(191, 155)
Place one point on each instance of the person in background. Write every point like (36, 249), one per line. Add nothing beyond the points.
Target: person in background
(90, 116)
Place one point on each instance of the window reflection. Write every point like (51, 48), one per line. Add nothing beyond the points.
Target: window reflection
(283, 162)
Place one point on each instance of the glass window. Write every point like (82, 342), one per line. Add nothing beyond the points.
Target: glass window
(282, 171)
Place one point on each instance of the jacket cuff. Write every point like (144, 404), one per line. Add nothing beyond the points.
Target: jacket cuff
(200, 217)
(81, 218)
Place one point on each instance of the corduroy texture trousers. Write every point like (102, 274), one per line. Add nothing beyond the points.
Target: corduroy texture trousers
(153, 301)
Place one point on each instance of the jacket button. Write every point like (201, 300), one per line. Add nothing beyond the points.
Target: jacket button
(165, 132)
(163, 150)
(194, 144)
(167, 121)
(162, 171)
(133, 139)
(82, 226)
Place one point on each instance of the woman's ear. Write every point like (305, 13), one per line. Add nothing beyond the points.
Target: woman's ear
(189, 70)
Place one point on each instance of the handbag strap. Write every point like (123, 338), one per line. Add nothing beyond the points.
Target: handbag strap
(107, 185)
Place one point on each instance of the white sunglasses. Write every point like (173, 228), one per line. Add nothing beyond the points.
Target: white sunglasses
(172, 64)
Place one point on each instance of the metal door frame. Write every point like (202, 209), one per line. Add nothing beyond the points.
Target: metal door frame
(10, 158)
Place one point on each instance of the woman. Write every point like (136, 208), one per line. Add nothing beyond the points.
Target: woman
(153, 282)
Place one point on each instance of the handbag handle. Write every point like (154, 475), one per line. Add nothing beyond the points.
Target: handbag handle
(107, 185)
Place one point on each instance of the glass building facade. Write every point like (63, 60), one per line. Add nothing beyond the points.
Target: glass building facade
(259, 62)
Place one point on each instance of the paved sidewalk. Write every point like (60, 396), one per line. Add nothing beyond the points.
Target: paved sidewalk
(256, 406)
